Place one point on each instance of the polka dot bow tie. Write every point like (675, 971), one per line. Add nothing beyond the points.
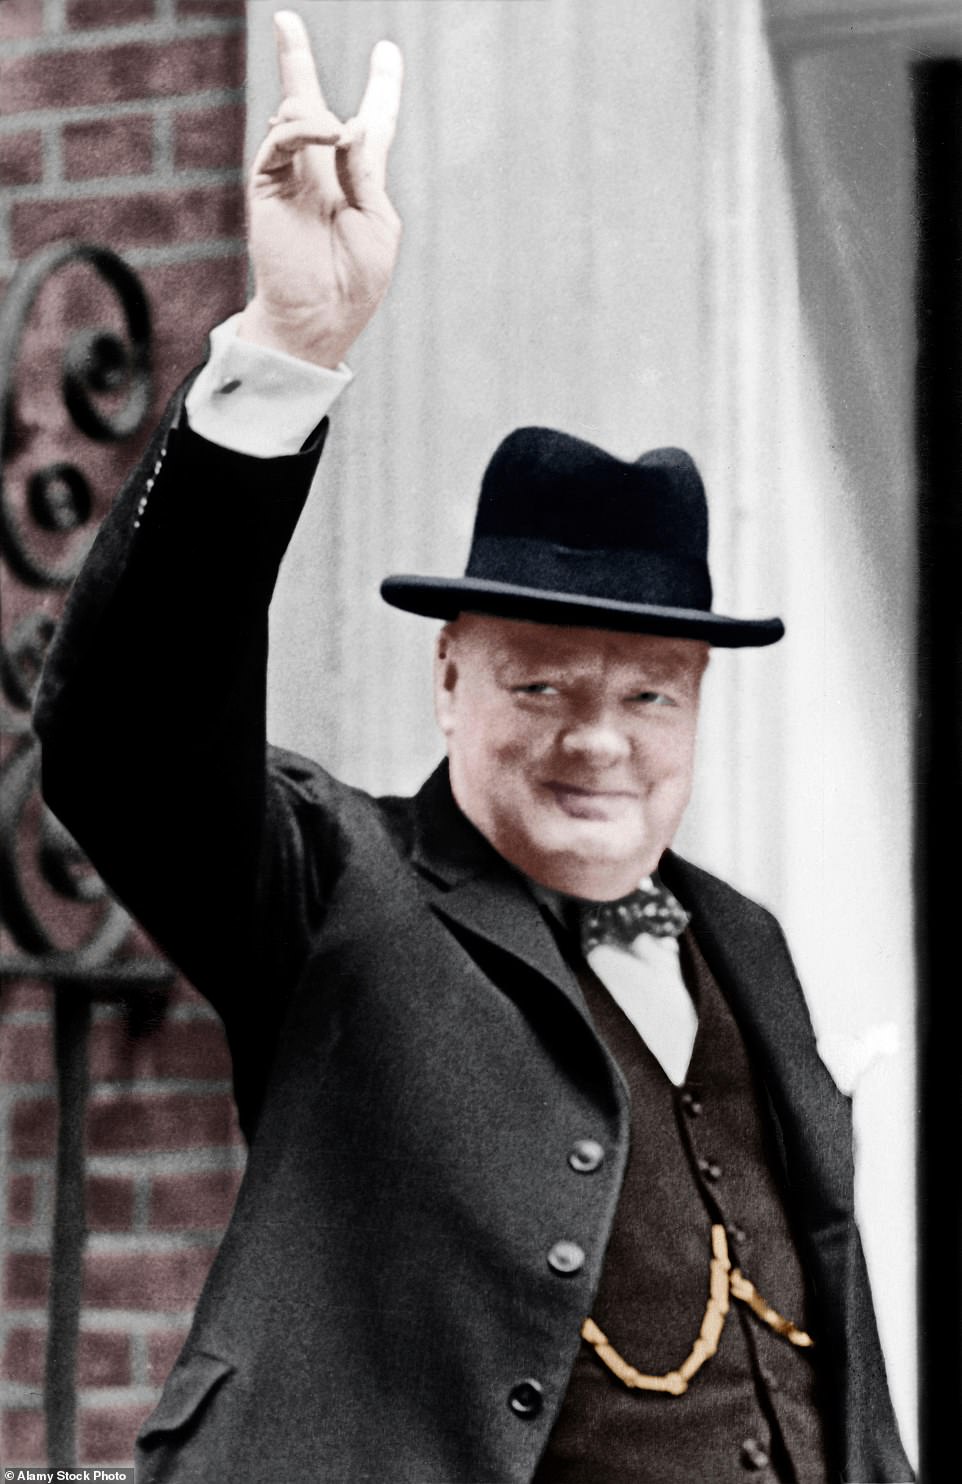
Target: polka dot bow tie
(651, 909)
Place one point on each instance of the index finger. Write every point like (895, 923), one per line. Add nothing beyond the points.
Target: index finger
(295, 60)
(378, 112)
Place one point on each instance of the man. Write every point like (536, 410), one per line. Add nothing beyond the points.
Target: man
(538, 1187)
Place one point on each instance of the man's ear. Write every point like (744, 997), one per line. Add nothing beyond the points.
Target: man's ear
(445, 678)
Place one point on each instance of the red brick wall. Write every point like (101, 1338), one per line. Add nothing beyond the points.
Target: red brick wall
(121, 123)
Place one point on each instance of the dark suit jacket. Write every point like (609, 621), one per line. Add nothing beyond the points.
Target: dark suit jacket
(413, 1058)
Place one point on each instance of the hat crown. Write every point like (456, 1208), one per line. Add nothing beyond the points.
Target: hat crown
(550, 486)
(566, 533)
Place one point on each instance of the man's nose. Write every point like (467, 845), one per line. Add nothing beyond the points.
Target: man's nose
(598, 741)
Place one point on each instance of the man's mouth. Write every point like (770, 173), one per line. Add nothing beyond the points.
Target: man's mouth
(589, 803)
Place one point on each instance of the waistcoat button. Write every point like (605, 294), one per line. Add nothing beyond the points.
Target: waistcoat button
(709, 1169)
(691, 1104)
(526, 1399)
(753, 1455)
(566, 1257)
(586, 1156)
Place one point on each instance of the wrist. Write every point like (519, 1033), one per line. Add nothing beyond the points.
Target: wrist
(294, 332)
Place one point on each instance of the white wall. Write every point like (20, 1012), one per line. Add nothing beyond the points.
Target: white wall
(648, 221)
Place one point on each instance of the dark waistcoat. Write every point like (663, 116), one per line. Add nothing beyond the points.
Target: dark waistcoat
(699, 1155)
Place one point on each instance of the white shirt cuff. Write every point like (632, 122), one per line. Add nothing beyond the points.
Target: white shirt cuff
(259, 401)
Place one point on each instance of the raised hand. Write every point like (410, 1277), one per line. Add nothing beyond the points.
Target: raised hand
(323, 235)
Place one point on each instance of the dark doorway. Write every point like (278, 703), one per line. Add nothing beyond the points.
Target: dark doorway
(938, 105)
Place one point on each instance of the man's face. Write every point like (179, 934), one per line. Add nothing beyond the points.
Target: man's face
(571, 750)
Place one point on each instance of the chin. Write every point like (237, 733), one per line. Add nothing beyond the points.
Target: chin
(600, 875)
(595, 882)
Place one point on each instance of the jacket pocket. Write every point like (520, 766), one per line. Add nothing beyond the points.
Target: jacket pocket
(190, 1384)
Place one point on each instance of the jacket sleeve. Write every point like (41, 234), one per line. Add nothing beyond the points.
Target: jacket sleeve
(151, 714)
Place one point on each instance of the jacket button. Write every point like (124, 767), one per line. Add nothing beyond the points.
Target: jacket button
(586, 1156)
(753, 1455)
(566, 1257)
(526, 1399)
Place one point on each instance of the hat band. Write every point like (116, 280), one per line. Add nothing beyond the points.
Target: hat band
(621, 575)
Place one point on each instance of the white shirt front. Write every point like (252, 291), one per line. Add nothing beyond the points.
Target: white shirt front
(645, 980)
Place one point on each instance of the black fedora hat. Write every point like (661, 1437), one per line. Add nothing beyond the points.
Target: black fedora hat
(568, 534)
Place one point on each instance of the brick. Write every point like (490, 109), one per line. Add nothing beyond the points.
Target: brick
(109, 1203)
(122, 73)
(188, 299)
(33, 1128)
(103, 1358)
(163, 1348)
(160, 1121)
(192, 1202)
(196, 1049)
(26, 1054)
(103, 147)
(144, 219)
(25, 994)
(107, 1436)
(21, 1200)
(20, 18)
(23, 1436)
(84, 13)
(24, 1356)
(26, 1275)
(21, 158)
(155, 1281)
(222, 8)
(209, 138)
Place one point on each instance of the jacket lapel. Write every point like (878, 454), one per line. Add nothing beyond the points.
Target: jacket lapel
(477, 893)
(750, 959)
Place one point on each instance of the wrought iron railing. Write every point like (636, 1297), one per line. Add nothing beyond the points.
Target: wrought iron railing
(47, 522)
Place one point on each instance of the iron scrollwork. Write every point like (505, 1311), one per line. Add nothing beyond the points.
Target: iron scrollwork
(47, 891)
(43, 544)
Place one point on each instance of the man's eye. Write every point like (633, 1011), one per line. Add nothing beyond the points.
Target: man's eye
(535, 688)
(653, 698)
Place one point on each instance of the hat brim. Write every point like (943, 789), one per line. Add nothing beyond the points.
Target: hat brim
(446, 597)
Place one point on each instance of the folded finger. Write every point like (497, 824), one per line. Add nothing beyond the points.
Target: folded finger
(320, 120)
(286, 140)
(299, 108)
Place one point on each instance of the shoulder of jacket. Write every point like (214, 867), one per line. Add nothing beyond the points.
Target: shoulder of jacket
(307, 782)
(698, 888)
